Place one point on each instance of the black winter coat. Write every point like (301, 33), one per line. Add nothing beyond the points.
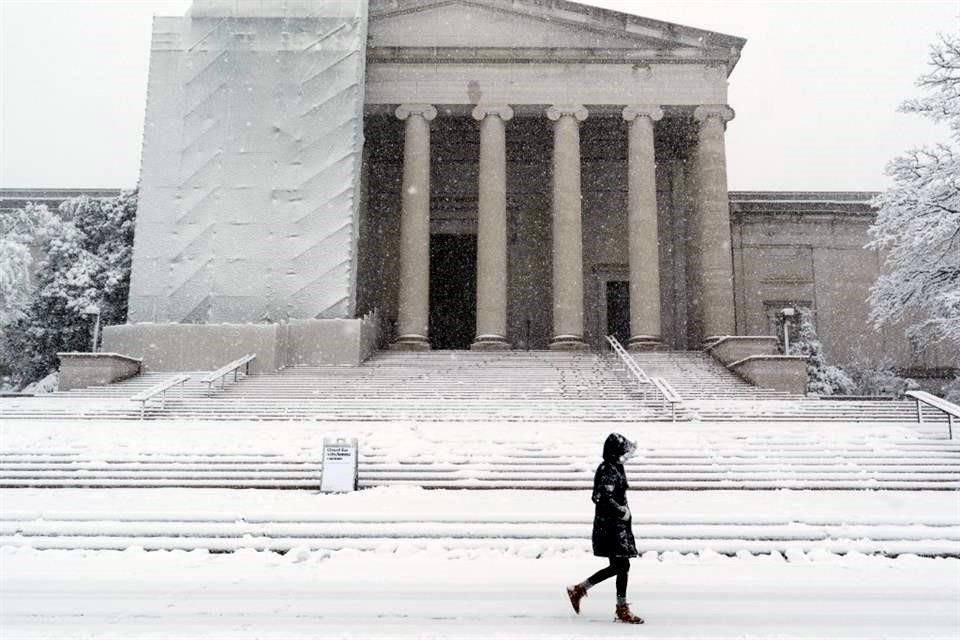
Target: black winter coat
(612, 533)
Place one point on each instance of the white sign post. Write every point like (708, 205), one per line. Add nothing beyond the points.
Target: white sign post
(339, 465)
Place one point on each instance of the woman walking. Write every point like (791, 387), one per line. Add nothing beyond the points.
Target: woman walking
(612, 534)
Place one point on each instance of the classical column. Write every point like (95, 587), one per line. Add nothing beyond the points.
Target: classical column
(642, 228)
(567, 235)
(492, 229)
(711, 227)
(414, 305)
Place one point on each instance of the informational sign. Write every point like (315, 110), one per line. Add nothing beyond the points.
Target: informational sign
(339, 465)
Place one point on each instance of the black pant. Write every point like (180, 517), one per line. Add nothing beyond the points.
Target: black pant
(619, 567)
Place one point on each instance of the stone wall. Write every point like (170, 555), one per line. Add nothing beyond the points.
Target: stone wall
(808, 248)
(205, 347)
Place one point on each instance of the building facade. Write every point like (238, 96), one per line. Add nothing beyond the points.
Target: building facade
(485, 174)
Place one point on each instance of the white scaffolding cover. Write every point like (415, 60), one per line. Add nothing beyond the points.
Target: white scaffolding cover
(251, 163)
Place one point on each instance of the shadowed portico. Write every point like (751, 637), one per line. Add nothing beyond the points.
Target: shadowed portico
(621, 159)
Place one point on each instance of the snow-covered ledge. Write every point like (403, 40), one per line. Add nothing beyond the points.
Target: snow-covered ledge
(783, 373)
(79, 370)
(207, 347)
(729, 349)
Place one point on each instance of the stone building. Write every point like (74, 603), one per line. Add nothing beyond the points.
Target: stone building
(481, 174)
(13, 199)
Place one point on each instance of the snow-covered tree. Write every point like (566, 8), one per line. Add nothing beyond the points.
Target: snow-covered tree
(85, 251)
(15, 262)
(20, 230)
(822, 379)
(918, 220)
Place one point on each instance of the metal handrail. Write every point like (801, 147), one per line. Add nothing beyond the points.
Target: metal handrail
(951, 410)
(662, 387)
(158, 389)
(668, 394)
(227, 369)
(630, 363)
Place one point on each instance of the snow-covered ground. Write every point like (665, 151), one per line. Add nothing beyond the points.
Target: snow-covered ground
(434, 593)
(413, 503)
(407, 562)
(415, 585)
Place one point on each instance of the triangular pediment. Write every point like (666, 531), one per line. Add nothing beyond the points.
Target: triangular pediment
(539, 24)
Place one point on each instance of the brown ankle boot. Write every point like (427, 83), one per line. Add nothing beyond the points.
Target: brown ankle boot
(576, 593)
(624, 615)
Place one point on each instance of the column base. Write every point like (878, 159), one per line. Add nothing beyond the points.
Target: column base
(644, 343)
(568, 343)
(411, 342)
(490, 342)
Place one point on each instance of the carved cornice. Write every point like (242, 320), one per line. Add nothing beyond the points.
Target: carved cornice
(452, 55)
(503, 111)
(811, 205)
(428, 111)
(706, 112)
(651, 111)
(577, 111)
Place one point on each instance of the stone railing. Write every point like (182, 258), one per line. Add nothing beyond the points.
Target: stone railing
(783, 373)
(756, 359)
(79, 370)
(730, 349)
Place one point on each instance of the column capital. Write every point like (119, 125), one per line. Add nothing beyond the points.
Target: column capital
(503, 111)
(721, 112)
(633, 111)
(578, 111)
(428, 111)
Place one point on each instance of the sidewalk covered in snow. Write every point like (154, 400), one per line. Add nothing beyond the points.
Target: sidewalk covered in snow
(411, 593)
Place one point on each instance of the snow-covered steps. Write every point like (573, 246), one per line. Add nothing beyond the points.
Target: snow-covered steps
(406, 409)
(518, 386)
(743, 462)
(727, 522)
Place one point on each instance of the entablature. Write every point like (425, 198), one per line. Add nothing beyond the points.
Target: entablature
(545, 54)
(544, 83)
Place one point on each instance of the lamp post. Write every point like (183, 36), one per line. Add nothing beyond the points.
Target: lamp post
(94, 310)
(788, 313)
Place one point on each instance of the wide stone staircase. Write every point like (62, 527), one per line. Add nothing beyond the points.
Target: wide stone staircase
(50, 505)
(519, 421)
(518, 386)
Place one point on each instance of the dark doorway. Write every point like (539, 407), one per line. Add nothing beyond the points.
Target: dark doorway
(618, 310)
(453, 290)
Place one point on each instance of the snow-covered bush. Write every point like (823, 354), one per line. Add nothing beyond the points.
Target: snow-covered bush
(47, 384)
(951, 392)
(879, 381)
(822, 379)
(85, 252)
(918, 219)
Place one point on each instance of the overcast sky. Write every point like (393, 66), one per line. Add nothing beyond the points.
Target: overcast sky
(816, 89)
